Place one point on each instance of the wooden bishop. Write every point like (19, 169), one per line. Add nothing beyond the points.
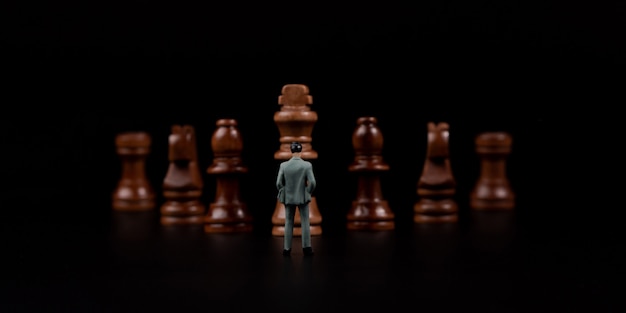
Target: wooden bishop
(295, 122)
(436, 186)
(182, 185)
(228, 212)
(370, 211)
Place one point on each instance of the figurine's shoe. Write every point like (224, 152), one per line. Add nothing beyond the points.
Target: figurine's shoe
(307, 251)
(287, 252)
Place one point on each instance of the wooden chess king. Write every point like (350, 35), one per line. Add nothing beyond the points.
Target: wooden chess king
(295, 122)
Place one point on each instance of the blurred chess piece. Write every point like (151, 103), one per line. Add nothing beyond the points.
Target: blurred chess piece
(370, 211)
(182, 185)
(436, 186)
(228, 213)
(295, 122)
(492, 190)
(133, 192)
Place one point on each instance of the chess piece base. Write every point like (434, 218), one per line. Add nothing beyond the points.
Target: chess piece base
(370, 211)
(316, 230)
(227, 218)
(182, 213)
(435, 211)
(421, 218)
(182, 208)
(133, 205)
(227, 227)
(492, 204)
(370, 215)
(228, 213)
(371, 225)
(182, 220)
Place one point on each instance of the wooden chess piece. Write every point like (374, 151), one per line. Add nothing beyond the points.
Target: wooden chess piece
(133, 192)
(492, 190)
(182, 185)
(370, 211)
(295, 122)
(436, 186)
(228, 212)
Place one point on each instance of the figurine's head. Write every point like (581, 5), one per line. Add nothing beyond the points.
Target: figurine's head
(296, 147)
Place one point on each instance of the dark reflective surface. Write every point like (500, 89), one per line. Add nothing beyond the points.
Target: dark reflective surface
(129, 262)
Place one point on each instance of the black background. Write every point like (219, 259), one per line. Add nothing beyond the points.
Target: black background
(546, 72)
(78, 74)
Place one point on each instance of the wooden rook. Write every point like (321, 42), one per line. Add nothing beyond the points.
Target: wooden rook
(182, 185)
(295, 122)
(492, 190)
(370, 211)
(228, 213)
(133, 192)
(436, 186)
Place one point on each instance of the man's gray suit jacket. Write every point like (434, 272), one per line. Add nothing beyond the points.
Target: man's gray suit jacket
(295, 181)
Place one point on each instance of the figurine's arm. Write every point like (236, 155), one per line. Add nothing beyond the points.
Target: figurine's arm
(280, 180)
(280, 183)
(310, 178)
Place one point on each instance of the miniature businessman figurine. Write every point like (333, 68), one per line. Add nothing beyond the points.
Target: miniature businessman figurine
(295, 183)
